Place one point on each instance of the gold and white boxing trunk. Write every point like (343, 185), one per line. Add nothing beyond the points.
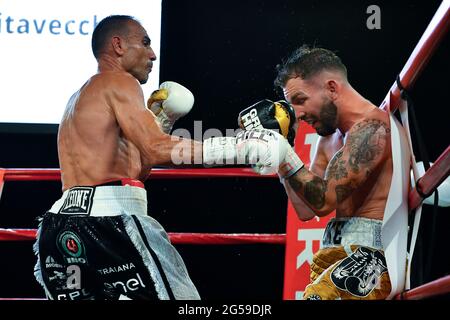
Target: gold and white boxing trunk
(351, 263)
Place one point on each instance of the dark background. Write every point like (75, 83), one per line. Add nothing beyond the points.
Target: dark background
(226, 53)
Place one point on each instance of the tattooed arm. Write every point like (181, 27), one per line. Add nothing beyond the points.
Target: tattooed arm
(318, 166)
(363, 152)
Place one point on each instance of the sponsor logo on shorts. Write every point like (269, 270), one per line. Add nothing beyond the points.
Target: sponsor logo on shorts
(51, 263)
(74, 295)
(75, 260)
(70, 278)
(360, 272)
(57, 275)
(120, 268)
(132, 284)
(78, 201)
(71, 247)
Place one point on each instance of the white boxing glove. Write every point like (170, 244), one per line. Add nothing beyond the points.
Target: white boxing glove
(266, 150)
(169, 103)
(290, 165)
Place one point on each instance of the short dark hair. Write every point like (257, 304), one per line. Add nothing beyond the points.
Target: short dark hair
(307, 62)
(105, 29)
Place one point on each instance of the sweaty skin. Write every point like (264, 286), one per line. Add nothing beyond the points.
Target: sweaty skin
(352, 168)
(106, 131)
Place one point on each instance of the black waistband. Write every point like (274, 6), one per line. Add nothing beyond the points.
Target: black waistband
(110, 183)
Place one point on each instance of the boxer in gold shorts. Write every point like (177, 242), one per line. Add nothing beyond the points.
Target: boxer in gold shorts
(342, 270)
(350, 172)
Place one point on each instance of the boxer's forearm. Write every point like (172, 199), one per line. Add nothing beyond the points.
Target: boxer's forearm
(313, 190)
(303, 211)
(179, 152)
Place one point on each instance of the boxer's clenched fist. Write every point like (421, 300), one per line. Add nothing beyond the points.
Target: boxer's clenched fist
(266, 114)
(268, 152)
(169, 103)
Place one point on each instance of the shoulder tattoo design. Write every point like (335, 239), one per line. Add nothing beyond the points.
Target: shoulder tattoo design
(366, 143)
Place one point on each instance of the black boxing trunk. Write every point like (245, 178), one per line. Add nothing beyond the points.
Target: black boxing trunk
(99, 243)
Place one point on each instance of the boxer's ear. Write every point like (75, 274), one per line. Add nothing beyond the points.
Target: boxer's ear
(117, 44)
(333, 88)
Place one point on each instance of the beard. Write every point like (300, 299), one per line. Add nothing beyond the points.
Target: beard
(327, 119)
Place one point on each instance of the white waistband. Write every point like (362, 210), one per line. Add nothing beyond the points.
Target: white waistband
(102, 201)
(353, 231)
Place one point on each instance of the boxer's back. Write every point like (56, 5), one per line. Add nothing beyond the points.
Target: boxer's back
(91, 146)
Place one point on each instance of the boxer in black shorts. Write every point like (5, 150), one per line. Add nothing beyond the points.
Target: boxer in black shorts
(97, 241)
(95, 248)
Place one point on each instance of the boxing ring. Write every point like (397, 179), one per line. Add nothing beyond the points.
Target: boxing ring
(425, 186)
(175, 238)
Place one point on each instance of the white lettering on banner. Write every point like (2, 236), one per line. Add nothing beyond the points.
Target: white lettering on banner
(312, 138)
(309, 236)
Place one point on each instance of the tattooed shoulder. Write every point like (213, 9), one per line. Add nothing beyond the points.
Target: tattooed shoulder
(366, 142)
(336, 168)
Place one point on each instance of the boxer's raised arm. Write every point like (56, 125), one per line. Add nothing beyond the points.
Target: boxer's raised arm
(140, 127)
(318, 166)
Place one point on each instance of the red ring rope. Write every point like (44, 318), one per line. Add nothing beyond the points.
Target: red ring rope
(431, 179)
(175, 238)
(433, 288)
(156, 173)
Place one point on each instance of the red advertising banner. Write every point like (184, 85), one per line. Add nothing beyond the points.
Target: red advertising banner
(303, 238)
